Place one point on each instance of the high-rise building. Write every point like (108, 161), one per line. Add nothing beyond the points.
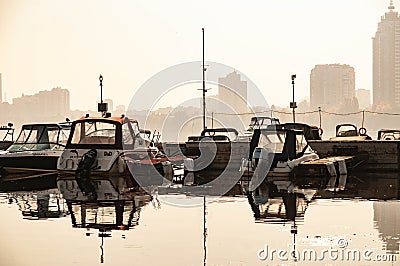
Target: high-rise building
(232, 98)
(232, 92)
(1, 89)
(386, 60)
(331, 85)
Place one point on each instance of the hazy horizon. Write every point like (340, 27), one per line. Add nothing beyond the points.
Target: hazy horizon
(49, 43)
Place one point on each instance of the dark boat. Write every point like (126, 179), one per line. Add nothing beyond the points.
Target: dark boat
(215, 151)
(276, 150)
(37, 147)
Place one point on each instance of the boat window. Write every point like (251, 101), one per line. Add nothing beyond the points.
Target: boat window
(129, 132)
(273, 141)
(63, 136)
(6, 133)
(94, 133)
(37, 137)
(301, 142)
(347, 131)
(390, 136)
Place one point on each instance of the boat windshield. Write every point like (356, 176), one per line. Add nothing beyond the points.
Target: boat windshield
(94, 132)
(6, 133)
(41, 137)
(130, 131)
(389, 135)
(275, 141)
(347, 131)
(301, 142)
(272, 141)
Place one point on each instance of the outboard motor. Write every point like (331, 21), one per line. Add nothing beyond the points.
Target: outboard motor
(82, 175)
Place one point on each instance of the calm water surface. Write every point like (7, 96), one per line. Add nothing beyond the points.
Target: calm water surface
(40, 228)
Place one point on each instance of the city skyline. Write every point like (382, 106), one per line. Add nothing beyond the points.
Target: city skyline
(70, 44)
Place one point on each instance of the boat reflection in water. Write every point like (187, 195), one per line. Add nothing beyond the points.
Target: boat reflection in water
(279, 203)
(108, 215)
(40, 205)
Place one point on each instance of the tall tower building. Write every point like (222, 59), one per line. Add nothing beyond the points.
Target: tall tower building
(331, 85)
(386, 60)
(1, 89)
(232, 91)
(232, 97)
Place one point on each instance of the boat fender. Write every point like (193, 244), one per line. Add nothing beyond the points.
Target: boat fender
(342, 166)
(362, 131)
(331, 169)
(82, 174)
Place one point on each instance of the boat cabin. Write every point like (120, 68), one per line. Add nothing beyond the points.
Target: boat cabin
(216, 134)
(105, 133)
(284, 144)
(350, 132)
(310, 132)
(389, 134)
(262, 121)
(38, 137)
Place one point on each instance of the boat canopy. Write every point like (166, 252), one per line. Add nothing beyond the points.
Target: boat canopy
(37, 137)
(262, 121)
(88, 133)
(286, 144)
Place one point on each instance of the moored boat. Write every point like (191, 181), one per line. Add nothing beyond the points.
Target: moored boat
(37, 147)
(382, 154)
(274, 152)
(216, 151)
(107, 156)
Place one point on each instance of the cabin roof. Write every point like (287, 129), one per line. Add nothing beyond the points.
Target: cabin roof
(60, 125)
(119, 119)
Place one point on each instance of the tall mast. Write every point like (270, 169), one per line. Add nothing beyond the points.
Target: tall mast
(204, 87)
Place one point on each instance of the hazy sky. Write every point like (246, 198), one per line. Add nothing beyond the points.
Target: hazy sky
(48, 43)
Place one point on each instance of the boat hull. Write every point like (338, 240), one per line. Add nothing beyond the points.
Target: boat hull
(29, 161)
(228, 158)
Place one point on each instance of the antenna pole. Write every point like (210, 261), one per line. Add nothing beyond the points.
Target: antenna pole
(204, 88)
(293, 104)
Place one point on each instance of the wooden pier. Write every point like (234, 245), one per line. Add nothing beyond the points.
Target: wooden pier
(370, 155)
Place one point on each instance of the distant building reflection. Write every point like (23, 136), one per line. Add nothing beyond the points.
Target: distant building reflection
(387, 221)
